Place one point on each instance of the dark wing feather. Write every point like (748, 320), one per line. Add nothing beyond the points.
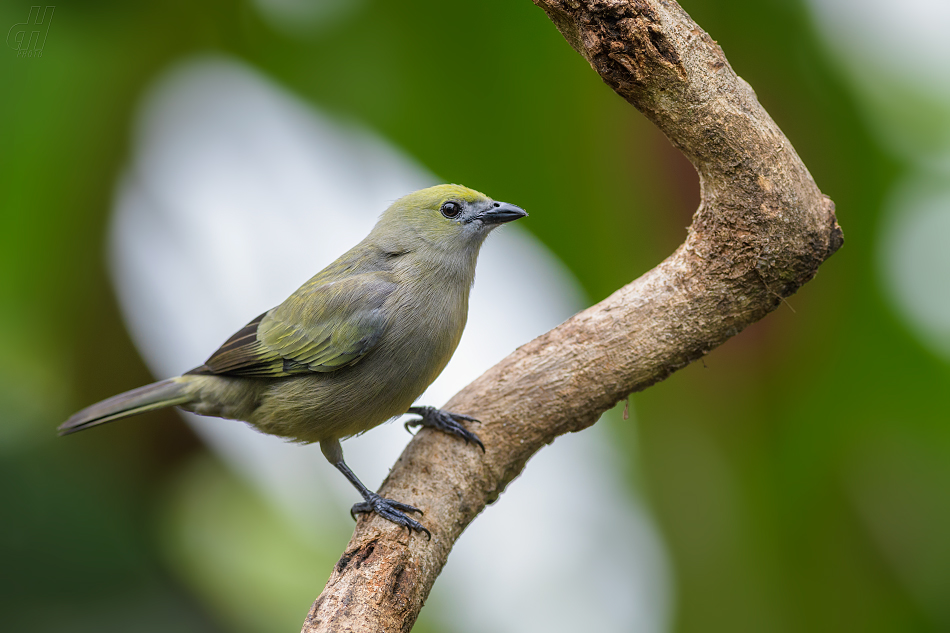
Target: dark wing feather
(235, 353)
(321, 328)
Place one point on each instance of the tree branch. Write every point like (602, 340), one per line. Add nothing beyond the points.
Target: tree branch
(761, 231)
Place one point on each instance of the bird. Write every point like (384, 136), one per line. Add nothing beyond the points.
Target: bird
(353, 347)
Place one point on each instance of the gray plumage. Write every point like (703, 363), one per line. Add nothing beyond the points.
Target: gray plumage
(352, 347)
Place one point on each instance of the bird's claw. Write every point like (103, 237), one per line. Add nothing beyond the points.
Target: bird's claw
(446, 422)
(391, 511)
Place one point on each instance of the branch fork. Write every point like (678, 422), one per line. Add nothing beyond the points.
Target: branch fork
(761, 231)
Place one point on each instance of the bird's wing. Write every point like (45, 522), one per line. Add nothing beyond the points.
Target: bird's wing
(321, 328)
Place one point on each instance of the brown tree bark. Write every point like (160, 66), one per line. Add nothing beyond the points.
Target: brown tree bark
(761, 231)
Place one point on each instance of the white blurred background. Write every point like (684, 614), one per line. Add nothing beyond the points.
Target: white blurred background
(236, 194)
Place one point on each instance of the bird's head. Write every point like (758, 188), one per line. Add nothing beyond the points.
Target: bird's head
(443, 217)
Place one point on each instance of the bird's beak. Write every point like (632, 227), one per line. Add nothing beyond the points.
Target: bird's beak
(501, 212)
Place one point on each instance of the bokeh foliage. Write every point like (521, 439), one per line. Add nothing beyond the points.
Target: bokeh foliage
(799, 474)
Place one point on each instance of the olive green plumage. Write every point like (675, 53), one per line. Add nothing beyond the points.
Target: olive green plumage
(352, 347)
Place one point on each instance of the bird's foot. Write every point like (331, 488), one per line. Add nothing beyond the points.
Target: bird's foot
(389, 510)
(446, 422)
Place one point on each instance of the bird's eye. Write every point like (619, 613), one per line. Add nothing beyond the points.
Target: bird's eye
(451, 209)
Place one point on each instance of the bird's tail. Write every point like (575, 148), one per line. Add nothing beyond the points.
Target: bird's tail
(158, 395)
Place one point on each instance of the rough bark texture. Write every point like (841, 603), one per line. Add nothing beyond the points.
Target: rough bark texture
(761, 231)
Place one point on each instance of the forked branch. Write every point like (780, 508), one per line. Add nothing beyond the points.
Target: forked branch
(761, 231)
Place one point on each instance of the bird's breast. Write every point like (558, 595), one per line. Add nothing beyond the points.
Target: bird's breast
(425, 330)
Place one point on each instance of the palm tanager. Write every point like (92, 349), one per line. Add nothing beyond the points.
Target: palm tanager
(351, 348)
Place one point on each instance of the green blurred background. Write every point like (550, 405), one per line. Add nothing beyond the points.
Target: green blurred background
(799, 475)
